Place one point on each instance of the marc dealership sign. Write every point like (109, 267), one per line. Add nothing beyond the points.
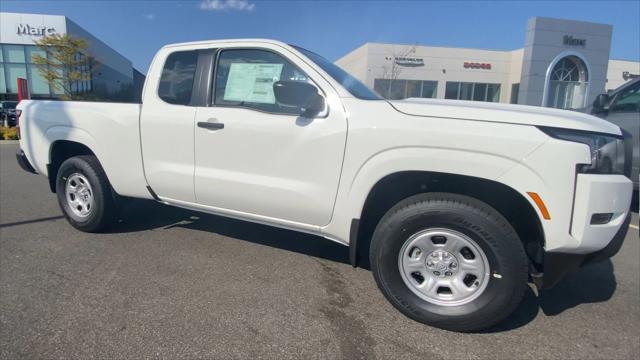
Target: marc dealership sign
(26, 29)
(571, 41)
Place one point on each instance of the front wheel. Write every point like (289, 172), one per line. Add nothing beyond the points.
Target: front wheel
(84, 194)
(449, 261)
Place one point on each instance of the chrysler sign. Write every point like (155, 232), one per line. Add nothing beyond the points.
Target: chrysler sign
(24, 29)
(408, 61)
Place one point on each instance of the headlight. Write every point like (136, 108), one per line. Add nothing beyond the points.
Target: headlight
(607, 151)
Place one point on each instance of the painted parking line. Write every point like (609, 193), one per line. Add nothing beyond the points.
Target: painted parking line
(634, 227)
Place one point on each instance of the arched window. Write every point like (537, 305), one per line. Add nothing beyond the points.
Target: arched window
(568, 83)
(569, 69)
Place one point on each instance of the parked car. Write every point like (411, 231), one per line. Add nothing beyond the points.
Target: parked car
(8, 113)
(454, 205)
(622, 108)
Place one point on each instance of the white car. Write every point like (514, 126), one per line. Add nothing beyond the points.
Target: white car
(454, 205)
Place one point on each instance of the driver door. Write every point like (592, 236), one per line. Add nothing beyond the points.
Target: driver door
(257, 159)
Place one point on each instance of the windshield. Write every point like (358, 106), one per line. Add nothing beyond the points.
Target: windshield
(353, 85)
(9, 105)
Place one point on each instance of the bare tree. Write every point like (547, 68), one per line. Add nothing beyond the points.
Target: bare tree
(392, 70)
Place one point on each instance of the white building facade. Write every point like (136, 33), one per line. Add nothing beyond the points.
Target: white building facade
(564, 64)
(112, 79)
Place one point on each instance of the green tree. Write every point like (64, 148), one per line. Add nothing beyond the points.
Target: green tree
(66, 65)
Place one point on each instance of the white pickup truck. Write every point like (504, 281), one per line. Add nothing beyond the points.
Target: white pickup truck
(454, 205)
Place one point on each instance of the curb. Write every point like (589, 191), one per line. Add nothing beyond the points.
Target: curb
(9, 142)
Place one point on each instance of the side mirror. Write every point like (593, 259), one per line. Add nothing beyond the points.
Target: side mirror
(299, 94)
(601, 103)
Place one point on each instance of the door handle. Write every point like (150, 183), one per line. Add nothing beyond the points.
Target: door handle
(210, 125)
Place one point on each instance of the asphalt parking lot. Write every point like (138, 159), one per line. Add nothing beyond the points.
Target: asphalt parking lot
(171, 283)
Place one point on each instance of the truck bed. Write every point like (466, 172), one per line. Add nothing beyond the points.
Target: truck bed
(110, 130)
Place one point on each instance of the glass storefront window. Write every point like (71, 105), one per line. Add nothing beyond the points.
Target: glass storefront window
(568, 84)
(472, 91)
(451, 90)
(381, 86)
(567, 95)
(3, 85)
(34, 50)
(466, 91)
(13, 53)
(16, 61)
(480, 92)
(515, 89)
(493, 92)
(414, 87)
(57, 90)
(14, 71)
(429, 89)
(37, 83)
(398, 89)
(402, 89)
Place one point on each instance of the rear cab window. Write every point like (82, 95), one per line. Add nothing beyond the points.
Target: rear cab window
(178, 73)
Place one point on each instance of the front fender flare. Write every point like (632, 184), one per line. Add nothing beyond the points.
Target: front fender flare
(354, 193)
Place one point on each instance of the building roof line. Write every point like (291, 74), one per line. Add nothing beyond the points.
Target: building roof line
(441, 46)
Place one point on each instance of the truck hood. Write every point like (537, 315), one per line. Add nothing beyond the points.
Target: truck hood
(505, 113)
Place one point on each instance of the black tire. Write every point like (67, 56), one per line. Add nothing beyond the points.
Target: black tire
(507, 260)
(103, 210)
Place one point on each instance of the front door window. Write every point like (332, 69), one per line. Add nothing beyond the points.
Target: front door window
(245, 77)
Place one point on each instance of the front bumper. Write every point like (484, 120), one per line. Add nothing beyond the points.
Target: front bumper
(24, 162)
(599, 225)
(557, 264)
(596, 195)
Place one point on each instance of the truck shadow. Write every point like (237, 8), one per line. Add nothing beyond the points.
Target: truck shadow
(592, 284)
(140, 215)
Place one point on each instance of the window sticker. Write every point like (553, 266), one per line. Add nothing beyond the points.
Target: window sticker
(252, 83)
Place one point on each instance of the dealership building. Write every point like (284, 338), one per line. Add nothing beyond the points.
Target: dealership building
(564, 64)
(114, 78)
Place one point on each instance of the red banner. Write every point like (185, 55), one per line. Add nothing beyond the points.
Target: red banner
(23, 90)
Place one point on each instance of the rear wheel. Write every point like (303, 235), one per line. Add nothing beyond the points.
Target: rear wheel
(84, 194)
(449, 261)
